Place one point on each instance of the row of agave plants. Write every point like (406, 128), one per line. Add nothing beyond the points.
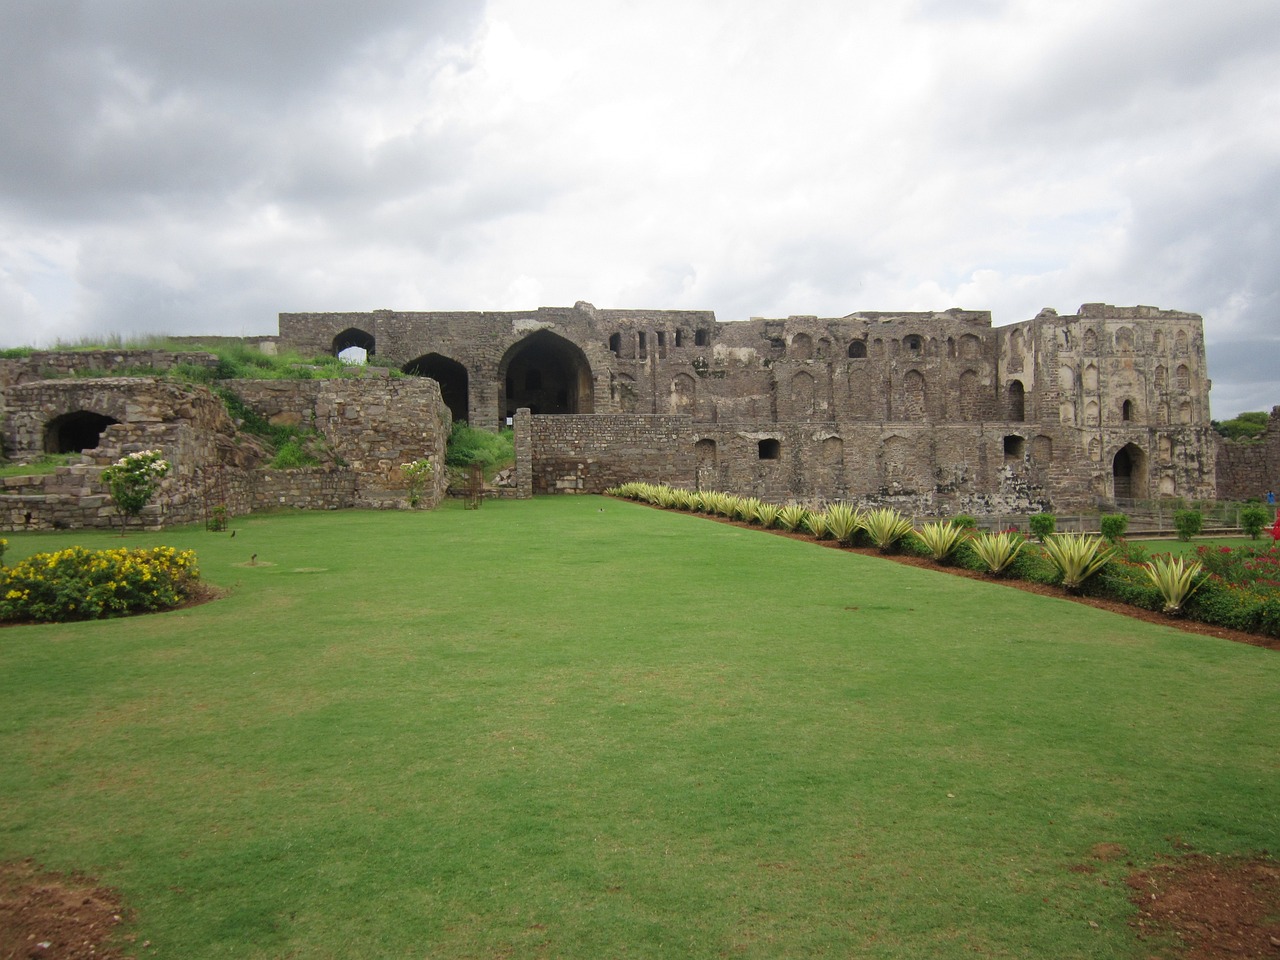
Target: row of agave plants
(1079, 563)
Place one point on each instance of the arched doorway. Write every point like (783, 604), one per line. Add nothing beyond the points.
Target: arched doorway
(546, 373)
(1129, 473)
(75, 432)
(353, 345)
(452, 377)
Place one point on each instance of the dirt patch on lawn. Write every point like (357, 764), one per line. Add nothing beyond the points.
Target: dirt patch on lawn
(1205, 908)
(59, 917)
(1193, 907)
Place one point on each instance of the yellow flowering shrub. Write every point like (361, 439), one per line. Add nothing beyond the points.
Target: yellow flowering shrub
(81, 584)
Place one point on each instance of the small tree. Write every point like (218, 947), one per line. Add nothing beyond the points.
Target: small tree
(1253, 519)
(1041, 525)
(1113, 525)
(416, 475)
(1188, 523)
(133, 480)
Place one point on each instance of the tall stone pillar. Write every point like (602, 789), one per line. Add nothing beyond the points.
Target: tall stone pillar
(523, 428)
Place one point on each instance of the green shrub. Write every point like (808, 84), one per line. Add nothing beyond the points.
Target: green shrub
(292, 455)
(3, 545)
(965, 521)
(1253, 520)
(1188, 523)
(1113, 525)
(469, 447)
(885, 527)
(1077, 557)
(81, 584)
(1041, 525)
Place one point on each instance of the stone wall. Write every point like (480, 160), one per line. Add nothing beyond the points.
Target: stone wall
(589, 454)
(1250, 468)
(372, 426)
(1102, 406)
(50, 364)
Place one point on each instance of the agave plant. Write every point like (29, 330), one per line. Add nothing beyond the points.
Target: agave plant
(1078, 556)
(816, 523)
(1174, 578)
(792, 516)
(885, 527)
(683, 499)
(745, 509)
(843, 522)
(998, 550)
(766, 514)
(940, 539)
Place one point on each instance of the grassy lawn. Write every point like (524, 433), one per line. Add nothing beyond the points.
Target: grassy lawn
(577, 727)
(1174, 546)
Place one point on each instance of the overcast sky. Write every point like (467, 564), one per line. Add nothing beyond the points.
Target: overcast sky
(174, 167)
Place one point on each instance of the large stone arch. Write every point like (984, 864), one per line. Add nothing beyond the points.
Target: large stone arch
(546, 373)
(75, 431)
(452, 377)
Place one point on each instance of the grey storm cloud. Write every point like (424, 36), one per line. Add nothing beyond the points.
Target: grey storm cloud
(197, 168)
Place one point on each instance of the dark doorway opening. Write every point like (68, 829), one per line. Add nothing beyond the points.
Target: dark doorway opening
(548, 374)
(75, 432)
(452, 377)
(1129, 473)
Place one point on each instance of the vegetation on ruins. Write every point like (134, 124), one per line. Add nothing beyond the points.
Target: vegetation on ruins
(470, 447)
(47, 463)
(1245, 426)
(677, 737)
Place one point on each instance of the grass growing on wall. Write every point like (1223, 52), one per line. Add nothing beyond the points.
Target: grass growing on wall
(579, 727)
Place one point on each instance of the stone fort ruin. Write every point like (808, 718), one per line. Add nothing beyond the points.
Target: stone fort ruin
(933, 412)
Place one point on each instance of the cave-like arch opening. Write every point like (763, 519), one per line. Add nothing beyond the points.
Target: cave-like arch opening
(75, 432)
(546, 373)
(452, 377)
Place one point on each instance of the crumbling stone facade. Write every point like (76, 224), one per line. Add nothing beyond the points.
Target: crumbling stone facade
(371, 426)
(933, 409)
(1250, 469)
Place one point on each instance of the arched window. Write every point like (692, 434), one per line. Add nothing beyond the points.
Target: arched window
(1126, 411)
(858, 349)
(769, 449)
(615, 344)
(1017, 401)
(912, 343)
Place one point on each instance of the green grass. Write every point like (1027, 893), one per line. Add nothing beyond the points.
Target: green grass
(48, 463)
(1178, 547)
(578, 727)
